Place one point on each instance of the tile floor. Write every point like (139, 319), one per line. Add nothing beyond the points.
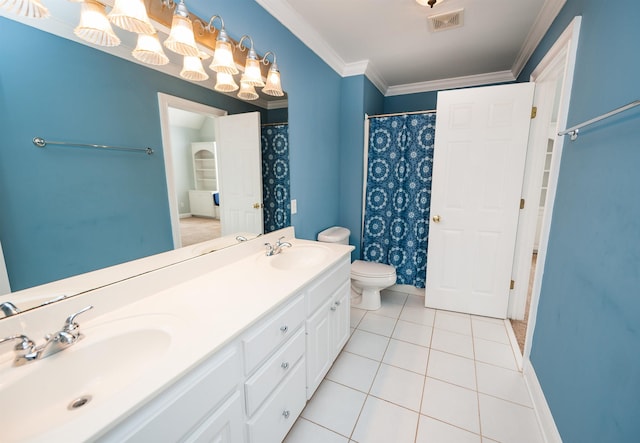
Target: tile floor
(417, 375)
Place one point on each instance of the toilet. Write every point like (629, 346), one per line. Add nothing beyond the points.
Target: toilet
(367, 278)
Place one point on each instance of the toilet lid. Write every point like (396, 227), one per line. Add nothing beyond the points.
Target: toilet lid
(362, 268)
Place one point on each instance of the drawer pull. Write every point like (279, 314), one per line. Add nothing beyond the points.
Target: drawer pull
(338, 303)
(286, 414)
(285, 365)
(333, 308)
(284, 329)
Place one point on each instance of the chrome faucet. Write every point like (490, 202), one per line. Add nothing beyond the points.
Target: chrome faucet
(27, 351)
(277, 248)
(9, 309)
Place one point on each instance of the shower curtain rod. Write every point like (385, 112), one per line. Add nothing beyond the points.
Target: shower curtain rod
(274, 124)
(430, 111)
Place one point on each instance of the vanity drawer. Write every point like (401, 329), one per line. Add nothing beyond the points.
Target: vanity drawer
(176, 411)
(280, 412)
(266, 337)
(326, 285)
(258, 387)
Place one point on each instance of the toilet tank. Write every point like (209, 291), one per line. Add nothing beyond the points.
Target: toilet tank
(336, 234)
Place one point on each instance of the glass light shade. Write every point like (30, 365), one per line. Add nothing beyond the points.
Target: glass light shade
(273, 86)
(131, 15)
(181, 39)
(149, 50)
(225, 82)
(94, 26)
(192, 69)
(252, 74)
(247, 92)
(26, 8)
(223, 59)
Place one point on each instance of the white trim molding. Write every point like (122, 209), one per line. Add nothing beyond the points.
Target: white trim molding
(543, 22)
(547, 424)
(290, 19)
(451, 83)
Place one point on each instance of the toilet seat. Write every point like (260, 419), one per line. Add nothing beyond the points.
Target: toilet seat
(366, 269)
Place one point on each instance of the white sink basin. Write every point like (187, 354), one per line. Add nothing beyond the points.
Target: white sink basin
(39, 395)
(299, 257)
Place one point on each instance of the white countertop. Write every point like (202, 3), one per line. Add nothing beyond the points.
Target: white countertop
(203, 304)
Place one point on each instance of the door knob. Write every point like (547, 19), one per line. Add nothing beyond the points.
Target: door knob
(256, 205)
(436, 219)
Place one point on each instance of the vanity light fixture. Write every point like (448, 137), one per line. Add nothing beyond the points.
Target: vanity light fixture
(223, 53)
(247, 91)
(26, 8)
(252, 74)
(181, 39)
(225, 82)
(273, 86)
(149, 50)
(131, 15)
(94, 27)
(192, 69)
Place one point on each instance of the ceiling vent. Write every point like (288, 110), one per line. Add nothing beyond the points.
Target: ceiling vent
(449, 20)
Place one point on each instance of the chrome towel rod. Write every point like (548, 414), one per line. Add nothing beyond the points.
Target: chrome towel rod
(573, 131)
(41, 143)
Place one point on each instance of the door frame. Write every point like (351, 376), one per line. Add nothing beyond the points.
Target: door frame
(5, 287)
(563, 51)
(165, 101)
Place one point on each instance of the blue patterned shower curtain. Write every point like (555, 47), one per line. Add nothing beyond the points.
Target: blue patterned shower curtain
(398, 194)
(275, 177)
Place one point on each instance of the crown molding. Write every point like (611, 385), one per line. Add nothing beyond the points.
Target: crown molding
(289, 18)
(450, 83)
(294, 22)
(543, 22)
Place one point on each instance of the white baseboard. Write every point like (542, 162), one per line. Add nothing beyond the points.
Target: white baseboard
(546, 422)
(407, 289)
(186, 215)
(515, 347)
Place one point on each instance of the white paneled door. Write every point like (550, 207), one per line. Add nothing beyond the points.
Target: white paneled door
(479, 157)
(240, 173)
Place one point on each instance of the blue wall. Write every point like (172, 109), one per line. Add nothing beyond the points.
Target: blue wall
(423, 101)
(359, 96)
(585, 346)
(66, 211)
(314, 106)
(109, 207)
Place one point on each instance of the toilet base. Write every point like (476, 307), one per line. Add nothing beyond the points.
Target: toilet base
(368, 299)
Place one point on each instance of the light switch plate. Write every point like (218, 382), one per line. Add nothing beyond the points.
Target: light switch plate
(294, 206)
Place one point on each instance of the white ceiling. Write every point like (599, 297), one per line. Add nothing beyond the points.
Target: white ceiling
(390, 41)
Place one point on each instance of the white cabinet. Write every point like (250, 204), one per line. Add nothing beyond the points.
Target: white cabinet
(254, 389)
(225, 425)
(327, 322)
(202, 402)
(201, 204)
(275, 364)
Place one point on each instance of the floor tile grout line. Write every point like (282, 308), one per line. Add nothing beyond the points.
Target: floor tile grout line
(475, 370)
(450, 424)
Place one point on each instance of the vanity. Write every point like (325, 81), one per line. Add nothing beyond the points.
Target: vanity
(227, 346)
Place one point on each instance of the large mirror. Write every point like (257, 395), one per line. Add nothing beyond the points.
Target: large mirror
(67, 211)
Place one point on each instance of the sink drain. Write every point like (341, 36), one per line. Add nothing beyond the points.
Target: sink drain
(79, 402)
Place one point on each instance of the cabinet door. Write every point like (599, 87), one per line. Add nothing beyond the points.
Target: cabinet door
(225, 425)
(319, 348)
(340, 313)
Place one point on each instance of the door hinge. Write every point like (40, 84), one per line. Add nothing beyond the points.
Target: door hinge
(522, 203)
(512, 285)
(534, 111)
